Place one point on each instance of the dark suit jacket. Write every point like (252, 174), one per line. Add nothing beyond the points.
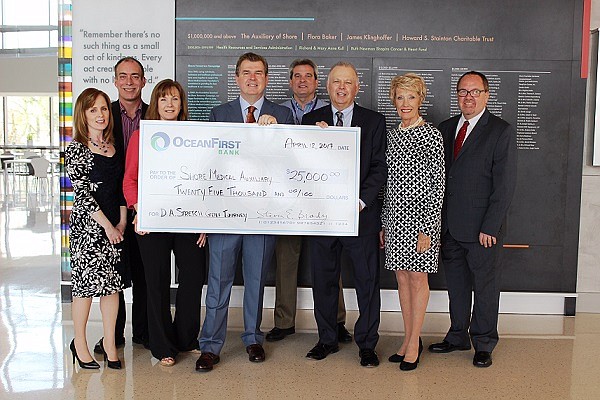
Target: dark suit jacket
(373, 168)
(232, 112)
(118, 127)
(481, 181)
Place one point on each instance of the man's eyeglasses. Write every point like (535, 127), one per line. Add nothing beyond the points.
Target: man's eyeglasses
(473, 92)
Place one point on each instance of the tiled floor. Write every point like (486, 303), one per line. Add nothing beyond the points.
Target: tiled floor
(538, 357)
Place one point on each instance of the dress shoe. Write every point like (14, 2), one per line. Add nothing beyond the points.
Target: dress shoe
(85, 365)
(111, 364)
(277, 334)
(409, 366)
(343, 335)
(167, 361)
(482, 359)
(397, 358)
(446, 347)
(206, 361)
(368, 358)
(320, 351)
(98, 349)
(256, 353)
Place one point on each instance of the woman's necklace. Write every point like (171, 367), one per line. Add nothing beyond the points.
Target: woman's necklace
(103, 146)
(413, 125)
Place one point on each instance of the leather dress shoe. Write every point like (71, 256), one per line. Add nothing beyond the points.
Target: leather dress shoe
(256, 353)
(205, 362)
(277, 334)
(368, 358)
(343, 335)
(99, 347)
(320, 351)
(446, 347)
(482, 359)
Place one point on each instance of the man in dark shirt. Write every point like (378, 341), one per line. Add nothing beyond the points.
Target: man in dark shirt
(127, 112)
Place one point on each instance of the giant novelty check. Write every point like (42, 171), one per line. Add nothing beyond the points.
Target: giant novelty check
(243, 178)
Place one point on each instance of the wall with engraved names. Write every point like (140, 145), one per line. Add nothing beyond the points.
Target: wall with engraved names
(533, 70)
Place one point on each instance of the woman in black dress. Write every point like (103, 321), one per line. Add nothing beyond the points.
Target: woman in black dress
(412, 209)
(97, 223)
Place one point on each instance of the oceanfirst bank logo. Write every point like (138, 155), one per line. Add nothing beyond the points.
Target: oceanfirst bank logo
(160, 141)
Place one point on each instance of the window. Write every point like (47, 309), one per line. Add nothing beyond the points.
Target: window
(28, 24)
(2, 113)
(31, 120)
(29, 27)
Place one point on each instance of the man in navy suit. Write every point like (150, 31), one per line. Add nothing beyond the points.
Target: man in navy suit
(251, 73)
(363, 250)
(480, 154)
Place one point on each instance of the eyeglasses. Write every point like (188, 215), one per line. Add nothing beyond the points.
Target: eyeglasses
(473, 92)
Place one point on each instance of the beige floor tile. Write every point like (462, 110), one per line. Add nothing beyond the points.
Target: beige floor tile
(538, 357)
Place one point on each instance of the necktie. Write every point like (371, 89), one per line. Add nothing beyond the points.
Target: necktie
(460, 138)
(250, 116)
(340, 118)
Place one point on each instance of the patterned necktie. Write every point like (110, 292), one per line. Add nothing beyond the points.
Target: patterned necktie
(340, 118)
(460, 138)
(250, 116)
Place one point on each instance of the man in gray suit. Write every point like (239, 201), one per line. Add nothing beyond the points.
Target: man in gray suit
(251, 73)
(304, 83)
(481, 164)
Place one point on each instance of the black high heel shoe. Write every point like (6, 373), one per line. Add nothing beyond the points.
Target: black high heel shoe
(409, 366)
(397, 358)
(85, 365)
(110, 364)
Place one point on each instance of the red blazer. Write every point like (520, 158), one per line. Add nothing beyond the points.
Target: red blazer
(132, 162)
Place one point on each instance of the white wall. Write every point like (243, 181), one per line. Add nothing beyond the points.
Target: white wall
(28, 76)
(588, 268)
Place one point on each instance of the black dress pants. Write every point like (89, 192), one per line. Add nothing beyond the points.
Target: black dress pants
(472, 268)
(326, 267)
(139, 313)
(168, 336)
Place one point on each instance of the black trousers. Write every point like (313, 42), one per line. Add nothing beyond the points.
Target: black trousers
(168, 336)
(326, 268)
(470, 267)
(139, 313)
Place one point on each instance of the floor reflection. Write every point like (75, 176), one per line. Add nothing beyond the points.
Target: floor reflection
(538, 357)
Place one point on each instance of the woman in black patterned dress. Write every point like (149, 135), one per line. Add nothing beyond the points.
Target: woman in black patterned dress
(412, 209)
(97, 223)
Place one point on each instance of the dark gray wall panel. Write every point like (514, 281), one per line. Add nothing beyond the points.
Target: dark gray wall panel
(530, 52)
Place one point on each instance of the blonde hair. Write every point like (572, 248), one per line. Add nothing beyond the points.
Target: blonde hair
(409, 81)
(163, 88)
(84, 102)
